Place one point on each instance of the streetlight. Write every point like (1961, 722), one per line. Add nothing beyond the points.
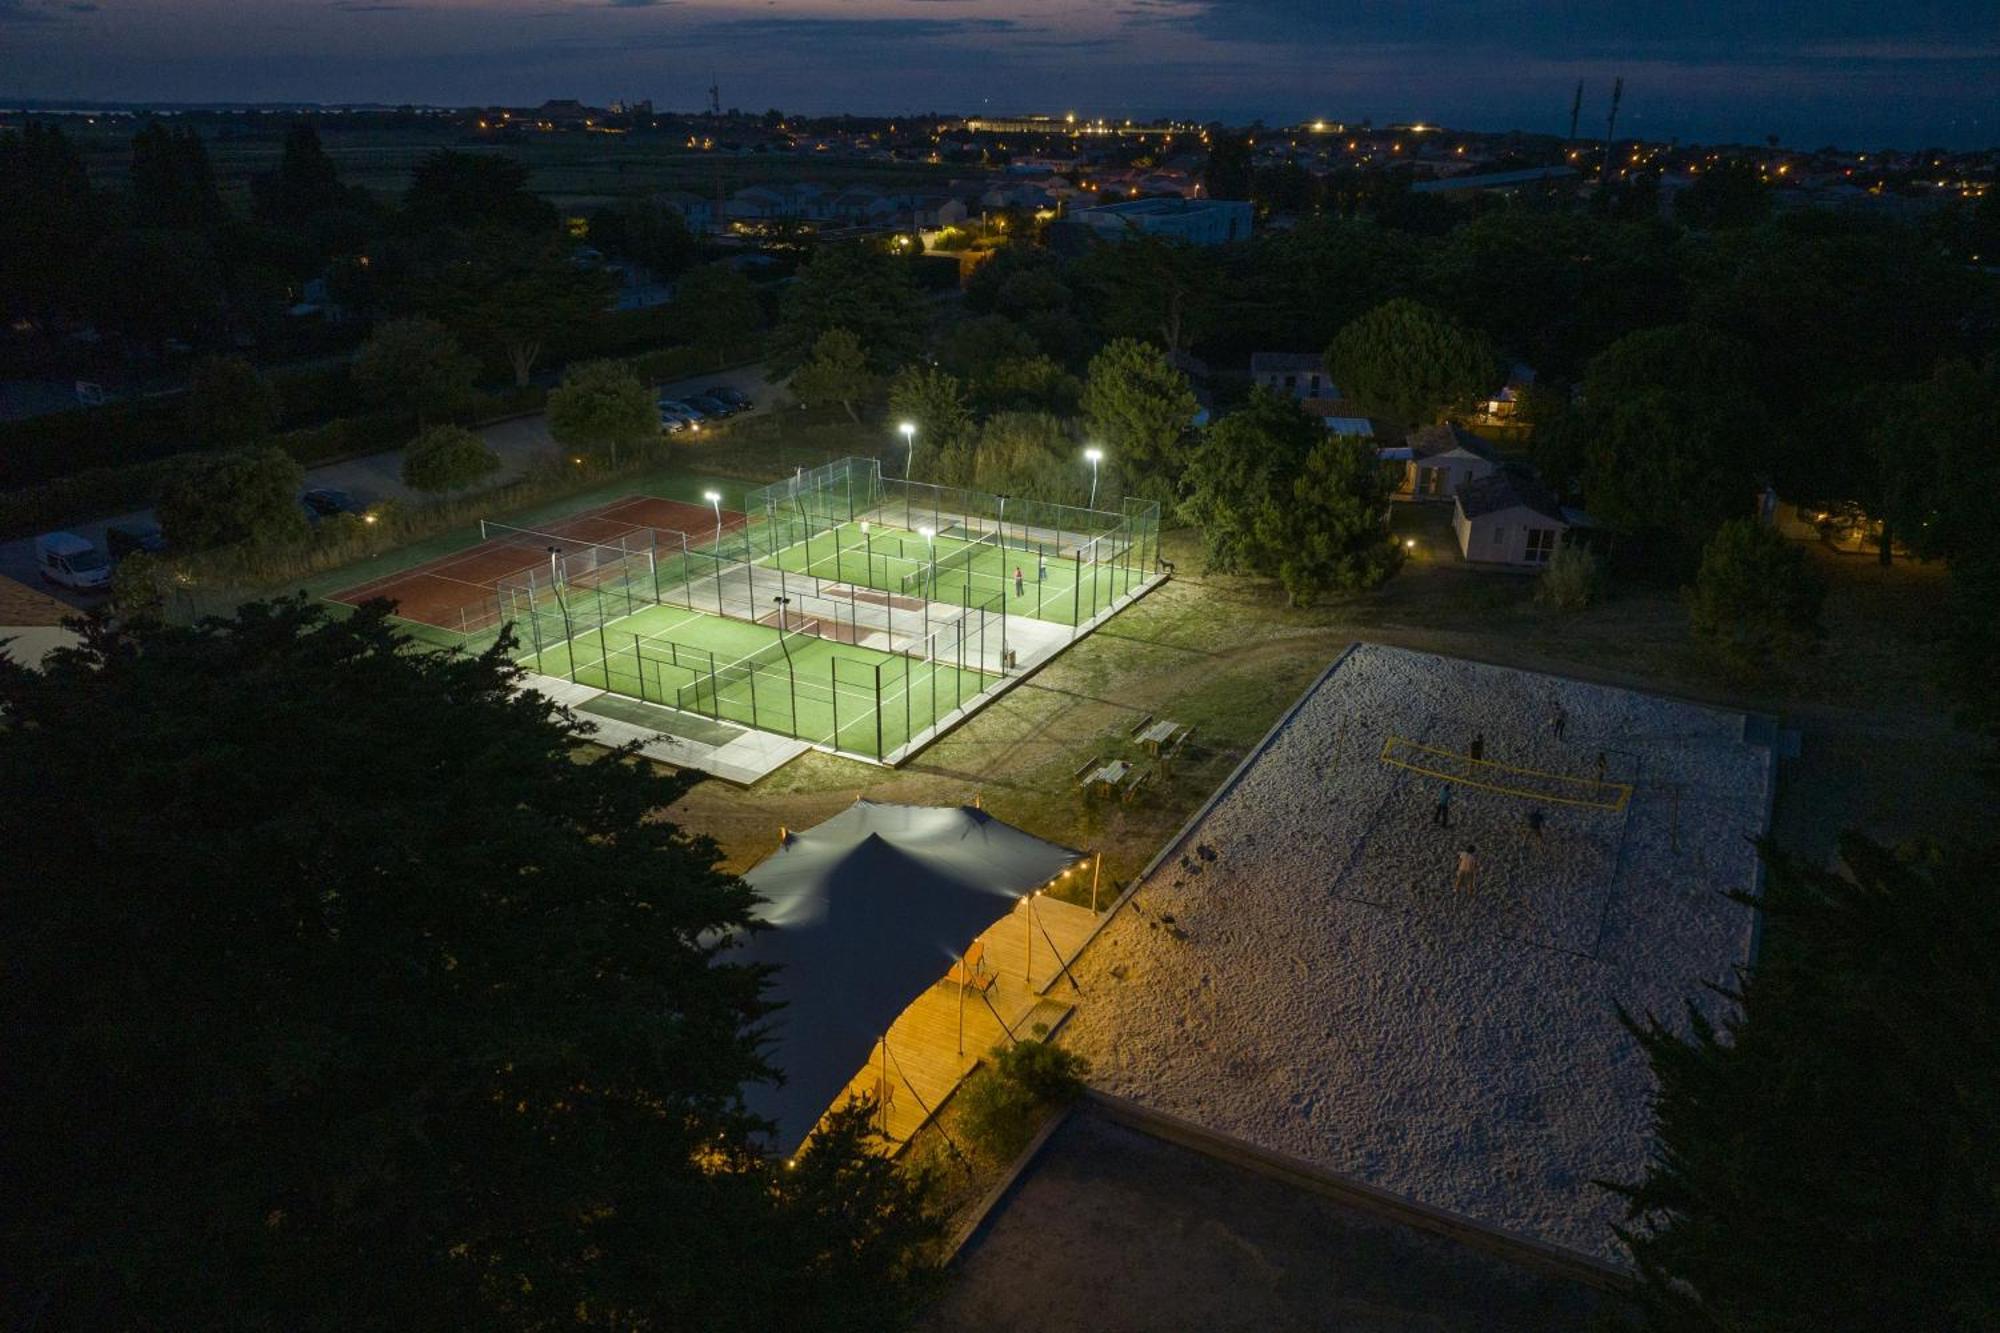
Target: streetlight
(782, 602)
(1095, 456)
(555, 571)
(909, 429)
(714, 499)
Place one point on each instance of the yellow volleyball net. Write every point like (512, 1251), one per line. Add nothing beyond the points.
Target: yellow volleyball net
(1508, 779)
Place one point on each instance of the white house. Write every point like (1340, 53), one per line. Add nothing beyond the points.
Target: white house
(1509, 518)
(31, 624)
(1506, 400)
(1293, 374)
(1438, 460)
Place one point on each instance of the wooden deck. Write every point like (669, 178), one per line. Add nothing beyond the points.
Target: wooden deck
(928, 1055)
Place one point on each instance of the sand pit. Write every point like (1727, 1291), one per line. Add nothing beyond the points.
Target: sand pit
(1319, 988)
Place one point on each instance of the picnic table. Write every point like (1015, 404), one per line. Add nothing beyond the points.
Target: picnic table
(1108, 775)
(1165, 734)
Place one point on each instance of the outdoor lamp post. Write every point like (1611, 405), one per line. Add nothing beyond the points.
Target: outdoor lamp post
(909, 429)
(782, 602)
(555, 566)
(1095, 456)
(714, 499)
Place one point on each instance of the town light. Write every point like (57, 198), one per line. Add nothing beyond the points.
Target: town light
(909, 429)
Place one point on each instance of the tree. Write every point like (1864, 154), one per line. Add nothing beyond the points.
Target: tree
(1826, 1151)
(646, 232)
(1331, 532)
(414, 366)
(1406, 361)
(718, 308)
(934, 401)
(401, 1014)
(1027, 384)
(447, 458)
(51, 219)
(450, 189)
(863, 290)
(1728, 194)
(306, 181)
(1755, 601)
(837, 372)
(508, 296)
(1031, 455)
(1672, 437)
(1227, 172)
(1241, 464)
(1148, 288)
(972, 347)
(221, 499)
(601, 405)
(173, 186)
(1142, 409)
(230, 405)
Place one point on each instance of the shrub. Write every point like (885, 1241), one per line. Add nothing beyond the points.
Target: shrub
(1756, 602)
(447, 458)
(1573, 580)
(222, 499)
(1006, 1100)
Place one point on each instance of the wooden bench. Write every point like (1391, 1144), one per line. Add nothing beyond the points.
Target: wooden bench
(1089, 766)
(1139, 727)
(1134, 782)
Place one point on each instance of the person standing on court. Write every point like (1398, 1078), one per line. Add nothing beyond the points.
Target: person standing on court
(1536, 831)
(1042, 567)
(1477, 750)
(1441, 816)
(1020, 584)
(1468, 870)
(1557, 721)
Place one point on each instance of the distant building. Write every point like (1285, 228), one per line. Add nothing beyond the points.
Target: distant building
(698, 213)
(1292, 374)
(1196, 221)
(1507, 400)
(1509, 518)
(1503, 182)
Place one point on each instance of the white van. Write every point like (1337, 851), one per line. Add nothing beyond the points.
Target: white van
(65, 558)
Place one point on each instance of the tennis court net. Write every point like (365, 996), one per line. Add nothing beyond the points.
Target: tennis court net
(927, 575)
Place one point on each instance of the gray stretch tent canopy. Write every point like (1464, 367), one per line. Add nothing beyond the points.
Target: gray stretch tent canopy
(871, 908)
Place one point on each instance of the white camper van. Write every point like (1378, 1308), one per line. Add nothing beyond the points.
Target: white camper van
(65, 558)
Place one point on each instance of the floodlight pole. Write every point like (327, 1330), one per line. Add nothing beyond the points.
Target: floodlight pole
(1095, 456)
(555, 569)
(909, 430)
(1096, 864)
(782, 602)
(714, 499)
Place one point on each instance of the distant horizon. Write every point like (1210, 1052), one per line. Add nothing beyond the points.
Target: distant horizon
(1850, 72)
(85, 106)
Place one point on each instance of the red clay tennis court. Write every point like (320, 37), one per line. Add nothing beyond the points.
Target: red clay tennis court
(456, 591)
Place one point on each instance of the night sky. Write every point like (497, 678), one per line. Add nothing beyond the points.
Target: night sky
(1858, 73)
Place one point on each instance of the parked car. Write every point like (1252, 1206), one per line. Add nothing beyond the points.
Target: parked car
(326, 502)
(736, 398)
(123, 539)
(714, 407)
(684, 408)
(67, 559)
(673, 423)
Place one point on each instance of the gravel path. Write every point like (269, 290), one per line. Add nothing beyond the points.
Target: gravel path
(1319, 988)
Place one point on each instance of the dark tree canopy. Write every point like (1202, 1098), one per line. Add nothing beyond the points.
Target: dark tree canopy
(858, 288)
(453, 189)
(245, 495)
(305, 182)
(1410, 363)
(343, 995)
(173, 185)
(230, 405)
(1827, 1157)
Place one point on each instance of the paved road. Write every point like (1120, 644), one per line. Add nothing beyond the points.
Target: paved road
(379, 476)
